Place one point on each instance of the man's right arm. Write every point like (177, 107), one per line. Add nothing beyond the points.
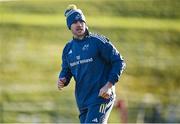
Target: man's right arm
(65, 74)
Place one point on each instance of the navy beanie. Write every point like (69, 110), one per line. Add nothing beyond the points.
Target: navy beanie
(73, 14)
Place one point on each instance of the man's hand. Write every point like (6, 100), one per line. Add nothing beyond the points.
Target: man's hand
(105, 91)
(61, 82)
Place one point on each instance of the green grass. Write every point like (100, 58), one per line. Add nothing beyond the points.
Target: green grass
(33, 34)
(127, 8)
(94, 21)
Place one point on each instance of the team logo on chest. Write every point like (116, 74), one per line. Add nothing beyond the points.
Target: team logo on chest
(85, 47)
(78, 57)
(70, 52)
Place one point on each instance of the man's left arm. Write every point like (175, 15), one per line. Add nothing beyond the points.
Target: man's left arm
(113, 57)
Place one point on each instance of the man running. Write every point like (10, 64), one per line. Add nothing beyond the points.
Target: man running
(96, 66)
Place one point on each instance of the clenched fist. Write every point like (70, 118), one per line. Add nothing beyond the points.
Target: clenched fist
(105, 91)
(61, 83)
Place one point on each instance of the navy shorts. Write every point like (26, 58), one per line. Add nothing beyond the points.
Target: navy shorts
(98, 113)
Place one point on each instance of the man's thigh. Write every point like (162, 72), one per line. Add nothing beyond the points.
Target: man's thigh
(99, 113)
(82, 116)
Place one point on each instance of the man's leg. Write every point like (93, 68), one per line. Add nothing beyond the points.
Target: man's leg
(82, 115)
(99, 113)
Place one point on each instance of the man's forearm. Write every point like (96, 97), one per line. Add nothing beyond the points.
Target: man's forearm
(109, 84)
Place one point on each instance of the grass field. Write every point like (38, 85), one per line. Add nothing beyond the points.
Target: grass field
(33, 34)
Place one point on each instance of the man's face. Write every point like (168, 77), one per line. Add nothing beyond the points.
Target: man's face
(78, 28)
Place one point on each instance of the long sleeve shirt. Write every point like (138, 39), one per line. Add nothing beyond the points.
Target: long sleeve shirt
(92, 61)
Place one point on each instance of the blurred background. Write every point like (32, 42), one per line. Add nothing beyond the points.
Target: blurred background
(33, 34)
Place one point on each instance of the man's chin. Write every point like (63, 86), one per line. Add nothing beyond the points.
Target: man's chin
(80, 34)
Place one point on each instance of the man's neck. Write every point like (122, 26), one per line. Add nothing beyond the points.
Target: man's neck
(79, 37)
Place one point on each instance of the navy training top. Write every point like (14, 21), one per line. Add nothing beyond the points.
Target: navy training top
(92, 61)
